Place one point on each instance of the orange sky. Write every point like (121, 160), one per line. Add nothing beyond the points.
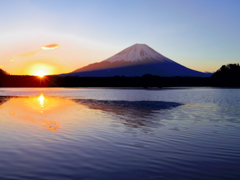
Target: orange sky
(55, 55)
(52, 56)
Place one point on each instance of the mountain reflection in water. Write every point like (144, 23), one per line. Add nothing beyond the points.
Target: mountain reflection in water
(134, 114)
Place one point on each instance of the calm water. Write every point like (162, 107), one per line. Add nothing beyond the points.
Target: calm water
(175, 134)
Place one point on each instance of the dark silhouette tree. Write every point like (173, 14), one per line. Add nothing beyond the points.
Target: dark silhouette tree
(227, 75)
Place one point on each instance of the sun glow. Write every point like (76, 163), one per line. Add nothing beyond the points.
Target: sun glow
(41, 70)
(40, 74)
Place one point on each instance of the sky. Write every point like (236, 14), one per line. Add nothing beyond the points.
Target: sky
(59, 36)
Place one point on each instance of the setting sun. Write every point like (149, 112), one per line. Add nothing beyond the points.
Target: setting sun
(41, 69)
(40, 73)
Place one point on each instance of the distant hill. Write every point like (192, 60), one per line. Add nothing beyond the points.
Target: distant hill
(3, 73)
(136, 60)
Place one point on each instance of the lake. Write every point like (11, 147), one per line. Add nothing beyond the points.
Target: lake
(97, 133)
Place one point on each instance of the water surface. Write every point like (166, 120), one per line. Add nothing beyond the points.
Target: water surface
(119, 133)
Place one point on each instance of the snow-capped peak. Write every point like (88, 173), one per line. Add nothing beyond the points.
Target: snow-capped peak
(137, 52)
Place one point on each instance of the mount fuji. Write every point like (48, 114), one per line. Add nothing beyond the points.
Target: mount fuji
(136, 60)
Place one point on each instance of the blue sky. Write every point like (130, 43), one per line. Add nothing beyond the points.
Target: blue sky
(199, 34)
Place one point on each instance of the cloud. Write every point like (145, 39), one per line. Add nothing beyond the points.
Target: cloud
(51, 46)
(29, 53)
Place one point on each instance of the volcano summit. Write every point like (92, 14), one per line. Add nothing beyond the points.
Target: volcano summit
(137, 60)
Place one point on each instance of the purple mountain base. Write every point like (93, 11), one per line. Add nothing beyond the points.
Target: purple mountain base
(137, 60)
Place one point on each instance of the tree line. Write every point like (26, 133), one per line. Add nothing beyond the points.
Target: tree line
(226, 76)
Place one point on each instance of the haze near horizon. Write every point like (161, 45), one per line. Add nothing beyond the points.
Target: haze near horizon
(59, 36)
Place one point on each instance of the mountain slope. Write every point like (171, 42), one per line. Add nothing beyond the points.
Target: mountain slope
(136, 60)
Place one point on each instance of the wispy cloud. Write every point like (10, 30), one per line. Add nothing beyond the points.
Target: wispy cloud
(29, 53)
(46, 47)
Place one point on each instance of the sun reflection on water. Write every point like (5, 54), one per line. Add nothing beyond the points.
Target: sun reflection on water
(41, 100)
(41, 111)
(50, 103)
